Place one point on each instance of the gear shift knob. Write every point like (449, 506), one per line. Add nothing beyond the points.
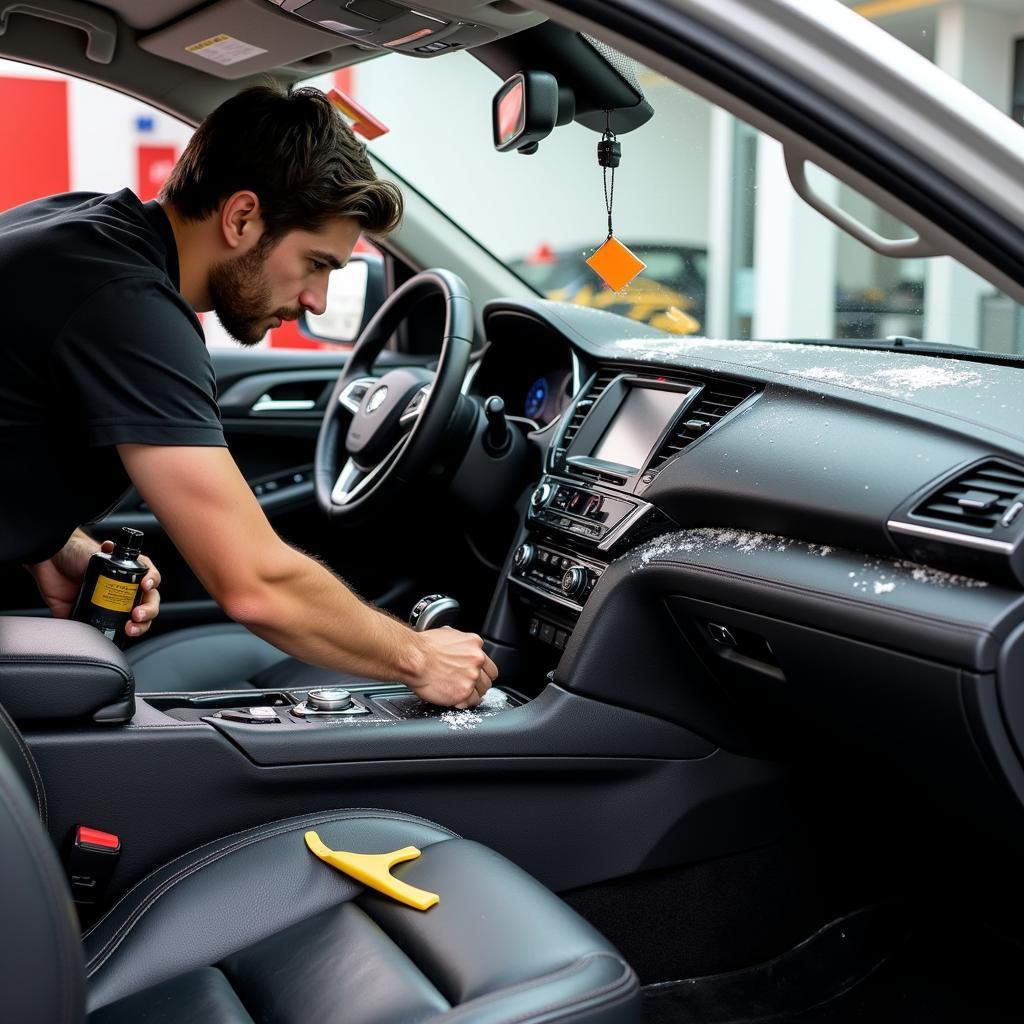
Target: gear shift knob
(432, 611)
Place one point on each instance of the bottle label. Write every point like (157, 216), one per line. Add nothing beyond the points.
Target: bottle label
(114, 595)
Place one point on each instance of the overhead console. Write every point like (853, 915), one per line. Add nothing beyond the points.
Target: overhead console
(236, 38)
(423, 32)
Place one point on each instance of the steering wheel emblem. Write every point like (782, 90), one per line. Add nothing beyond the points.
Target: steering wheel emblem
(376, 400)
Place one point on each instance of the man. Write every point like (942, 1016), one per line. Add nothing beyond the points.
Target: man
(108, 381)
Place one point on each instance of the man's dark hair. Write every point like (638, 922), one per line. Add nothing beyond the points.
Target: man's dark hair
(294, 150)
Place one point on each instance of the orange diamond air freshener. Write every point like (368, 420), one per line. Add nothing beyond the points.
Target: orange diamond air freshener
(615, 264)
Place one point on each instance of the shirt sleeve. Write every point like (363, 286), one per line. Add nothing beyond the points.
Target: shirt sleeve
(133, 361)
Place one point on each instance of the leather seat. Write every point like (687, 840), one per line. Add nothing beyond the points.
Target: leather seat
(252, 927)
(223, 656)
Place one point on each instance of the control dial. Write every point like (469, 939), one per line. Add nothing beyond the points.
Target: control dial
(541, 493)
(329, 699)
(523, 556)
(575, 580)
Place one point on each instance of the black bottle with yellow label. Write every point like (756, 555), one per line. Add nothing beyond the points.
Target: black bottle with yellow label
(111, 587)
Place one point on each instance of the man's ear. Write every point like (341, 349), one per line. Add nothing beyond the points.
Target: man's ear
(241, 221)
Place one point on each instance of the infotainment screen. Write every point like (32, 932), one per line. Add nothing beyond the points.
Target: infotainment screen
(637, 426)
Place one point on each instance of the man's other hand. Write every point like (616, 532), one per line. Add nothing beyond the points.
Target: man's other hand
(60, 577)
(148, 608)
(456, 671)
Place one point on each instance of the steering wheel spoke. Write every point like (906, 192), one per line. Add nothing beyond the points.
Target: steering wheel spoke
(415, 406)
(355, 391)
(353, 480)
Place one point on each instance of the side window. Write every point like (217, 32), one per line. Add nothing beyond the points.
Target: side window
(62, 134)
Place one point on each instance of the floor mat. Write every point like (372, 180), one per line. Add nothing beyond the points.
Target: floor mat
(830, 962)
(872, 965)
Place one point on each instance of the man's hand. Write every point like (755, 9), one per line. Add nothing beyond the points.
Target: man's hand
(60, 577)
(456, 671)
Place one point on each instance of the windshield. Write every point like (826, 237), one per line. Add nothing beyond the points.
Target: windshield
(700, 197)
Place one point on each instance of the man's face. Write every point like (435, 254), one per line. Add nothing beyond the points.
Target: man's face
(268, 284)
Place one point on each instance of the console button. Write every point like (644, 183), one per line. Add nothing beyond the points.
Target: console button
(523, 556)
(329, 699)
(575, 580)
(547, 632)
(247, 716)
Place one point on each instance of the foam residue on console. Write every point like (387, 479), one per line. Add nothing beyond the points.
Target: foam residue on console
(461, 719)
(875, 577)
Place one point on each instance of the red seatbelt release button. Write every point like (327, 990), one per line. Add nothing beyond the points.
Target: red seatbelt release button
(94, 837)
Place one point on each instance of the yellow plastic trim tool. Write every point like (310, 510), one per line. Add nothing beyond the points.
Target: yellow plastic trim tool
(374, 870)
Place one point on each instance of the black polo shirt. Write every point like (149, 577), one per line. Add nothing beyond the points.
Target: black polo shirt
(98, 349)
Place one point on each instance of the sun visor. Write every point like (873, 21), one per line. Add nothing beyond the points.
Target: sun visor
(236, 38)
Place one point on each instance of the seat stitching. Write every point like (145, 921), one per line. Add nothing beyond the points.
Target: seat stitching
(66, 659)
(574, 968)
(107, 950)
(33, 768)
(186, 872)
(344, 815)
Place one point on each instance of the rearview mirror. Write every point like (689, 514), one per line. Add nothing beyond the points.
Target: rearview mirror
(354, 294)
(526, 110)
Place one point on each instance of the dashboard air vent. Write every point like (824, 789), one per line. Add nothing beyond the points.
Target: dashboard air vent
(977, 498)
(717, 400)
(579, 413)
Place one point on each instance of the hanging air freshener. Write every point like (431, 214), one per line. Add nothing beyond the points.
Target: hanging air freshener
(613, 262)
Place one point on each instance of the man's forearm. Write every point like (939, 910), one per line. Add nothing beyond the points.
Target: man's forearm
(301, 607)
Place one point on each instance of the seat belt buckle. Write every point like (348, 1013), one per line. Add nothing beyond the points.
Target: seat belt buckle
(92, 857)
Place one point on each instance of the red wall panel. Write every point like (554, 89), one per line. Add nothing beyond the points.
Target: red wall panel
(33, 139)
(153, 168)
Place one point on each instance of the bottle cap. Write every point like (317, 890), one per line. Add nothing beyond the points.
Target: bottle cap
(129, 544)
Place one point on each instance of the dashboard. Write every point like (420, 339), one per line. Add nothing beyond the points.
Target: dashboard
(752, 538)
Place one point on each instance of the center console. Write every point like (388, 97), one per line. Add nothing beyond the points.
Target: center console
(367, 703)
(587, 507)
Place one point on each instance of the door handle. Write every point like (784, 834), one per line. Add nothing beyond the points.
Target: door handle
(267, 404)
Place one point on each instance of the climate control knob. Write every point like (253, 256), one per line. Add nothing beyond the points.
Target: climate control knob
(523, 556)
(541, 493)
(574, 581)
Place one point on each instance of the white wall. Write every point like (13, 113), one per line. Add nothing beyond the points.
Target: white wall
(660, 188)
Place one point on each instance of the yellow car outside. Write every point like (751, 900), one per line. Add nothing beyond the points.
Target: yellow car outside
(644, 299)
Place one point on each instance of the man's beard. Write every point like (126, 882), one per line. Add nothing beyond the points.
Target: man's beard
(241, 296)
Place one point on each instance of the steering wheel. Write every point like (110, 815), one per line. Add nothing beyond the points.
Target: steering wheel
(378, 431)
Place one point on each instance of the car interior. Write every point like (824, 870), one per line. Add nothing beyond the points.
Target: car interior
(756, 751)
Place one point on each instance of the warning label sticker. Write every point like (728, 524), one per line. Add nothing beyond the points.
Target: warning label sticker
(224, 49)
(114, 595)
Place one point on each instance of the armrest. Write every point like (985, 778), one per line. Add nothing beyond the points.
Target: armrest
(58, 669)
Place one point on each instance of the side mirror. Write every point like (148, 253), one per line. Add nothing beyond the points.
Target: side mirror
(354, 294)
